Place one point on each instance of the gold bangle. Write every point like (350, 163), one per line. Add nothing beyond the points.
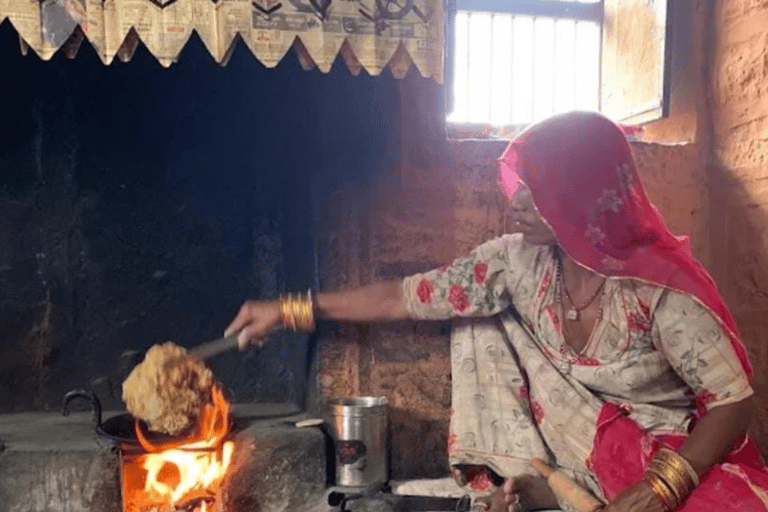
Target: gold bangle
(292, 309)
(679, 462)
(662, 492)
(674, 481)
(678, 479)
(301, 313)
(286, 309)
(297, 313)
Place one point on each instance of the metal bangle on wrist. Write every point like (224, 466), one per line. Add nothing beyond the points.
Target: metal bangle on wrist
(671, 478)
(297, 312)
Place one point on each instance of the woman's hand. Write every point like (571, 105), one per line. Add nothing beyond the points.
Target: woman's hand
(635, 498)
(519, 494)
(254, 322)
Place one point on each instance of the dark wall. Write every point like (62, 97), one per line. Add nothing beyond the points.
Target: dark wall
(140, 204)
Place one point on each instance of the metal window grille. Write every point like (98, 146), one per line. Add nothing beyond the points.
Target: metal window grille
(513, 68)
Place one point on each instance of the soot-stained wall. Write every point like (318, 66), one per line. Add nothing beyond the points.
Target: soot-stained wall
(140, 204)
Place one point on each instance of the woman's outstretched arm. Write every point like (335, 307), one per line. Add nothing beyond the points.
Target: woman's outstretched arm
(375, 302)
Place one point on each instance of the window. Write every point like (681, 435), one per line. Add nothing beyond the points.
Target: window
(512, 62)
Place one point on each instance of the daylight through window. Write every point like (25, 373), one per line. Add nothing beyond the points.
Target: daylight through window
(512, 68)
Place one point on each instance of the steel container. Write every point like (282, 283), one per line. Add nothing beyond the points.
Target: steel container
(358, 426)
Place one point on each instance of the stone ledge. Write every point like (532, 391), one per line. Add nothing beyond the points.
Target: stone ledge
(53, 463)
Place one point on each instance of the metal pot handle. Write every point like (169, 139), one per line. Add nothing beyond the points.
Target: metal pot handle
(87, 395)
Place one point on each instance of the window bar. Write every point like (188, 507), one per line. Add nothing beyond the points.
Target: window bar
(490, 72)
(449, 46)
(554, 68)
(459, 81)
(533, 71)
(468, 99)
(468, 67)
(600, 64)
(472, 66)
(512, 77)
(575, 66)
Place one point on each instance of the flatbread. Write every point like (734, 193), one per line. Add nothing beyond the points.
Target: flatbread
(168, 389)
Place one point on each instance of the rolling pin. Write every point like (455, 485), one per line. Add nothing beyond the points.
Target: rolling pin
(567, 489)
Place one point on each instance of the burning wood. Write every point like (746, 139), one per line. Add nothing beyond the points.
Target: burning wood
(195, 500)
(181, 475)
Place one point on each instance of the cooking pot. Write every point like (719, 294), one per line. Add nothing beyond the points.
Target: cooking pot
(119, 428)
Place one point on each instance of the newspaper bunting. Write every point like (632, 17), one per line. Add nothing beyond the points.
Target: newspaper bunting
(369, 34)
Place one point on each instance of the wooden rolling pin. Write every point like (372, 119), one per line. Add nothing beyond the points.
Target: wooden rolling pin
(567, 489)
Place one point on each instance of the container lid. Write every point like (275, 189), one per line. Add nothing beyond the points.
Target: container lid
(358, 405)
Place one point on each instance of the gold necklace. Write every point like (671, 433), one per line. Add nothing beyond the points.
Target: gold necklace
(573, 313)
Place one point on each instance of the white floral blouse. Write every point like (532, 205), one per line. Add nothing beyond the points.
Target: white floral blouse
(655, 350)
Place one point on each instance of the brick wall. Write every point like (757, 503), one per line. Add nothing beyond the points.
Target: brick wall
(442, 199)
(739, 169)
(439, 202)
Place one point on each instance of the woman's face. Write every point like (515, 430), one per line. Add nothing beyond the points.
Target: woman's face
(527, 220)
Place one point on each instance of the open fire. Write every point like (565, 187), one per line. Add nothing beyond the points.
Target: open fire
(179, 475)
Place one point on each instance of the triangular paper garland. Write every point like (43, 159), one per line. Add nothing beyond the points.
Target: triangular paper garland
(317, 31)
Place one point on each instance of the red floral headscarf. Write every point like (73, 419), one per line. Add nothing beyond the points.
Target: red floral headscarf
(581, 173)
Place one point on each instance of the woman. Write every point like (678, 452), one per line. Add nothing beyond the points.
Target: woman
(590, 338)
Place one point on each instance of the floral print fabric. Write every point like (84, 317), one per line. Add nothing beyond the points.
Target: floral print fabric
(519, 391)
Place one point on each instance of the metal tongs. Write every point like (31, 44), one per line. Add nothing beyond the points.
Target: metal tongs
(214, 347)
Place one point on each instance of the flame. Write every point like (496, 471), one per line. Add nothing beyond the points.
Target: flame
(173, 474)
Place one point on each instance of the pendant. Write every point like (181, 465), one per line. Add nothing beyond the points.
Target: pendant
(572, 314)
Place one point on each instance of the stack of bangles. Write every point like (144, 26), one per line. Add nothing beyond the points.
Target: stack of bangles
(671, 478)
(298, 312)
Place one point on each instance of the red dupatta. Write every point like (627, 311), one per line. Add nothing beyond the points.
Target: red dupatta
(581, 173)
